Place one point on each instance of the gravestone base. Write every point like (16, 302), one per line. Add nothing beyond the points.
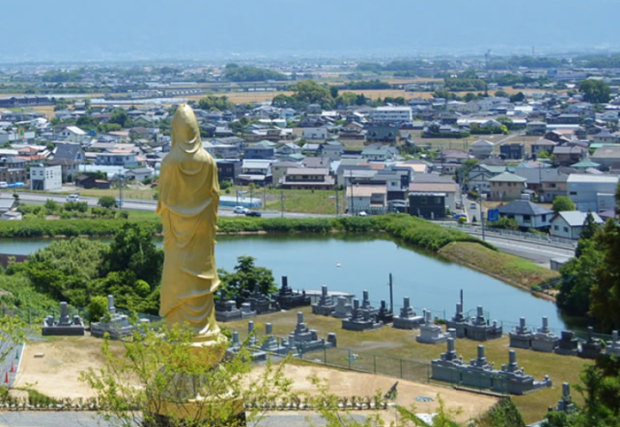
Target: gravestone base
(70, 330)
(545, 345)
(360, 325)
(408, 323)
(520, 341)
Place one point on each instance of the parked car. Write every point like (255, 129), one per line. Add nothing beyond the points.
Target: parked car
(4, 184)
(119, 202)
(73, 198)
(362, 213)
(240, 210)
(253, 213)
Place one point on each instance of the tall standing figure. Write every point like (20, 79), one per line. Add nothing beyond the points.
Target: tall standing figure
(188, 201)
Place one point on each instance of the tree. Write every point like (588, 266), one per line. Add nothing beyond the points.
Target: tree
(588, 231)
(310, 92)
(595, 91)
(120, 117)
(245, 279)
(133, 249)
(107, 202)
(51, 206)
(333, 91)
(135, 383)
(563, 204)
(517, 97)
(501, 94)
(606, 292)
(97, 308)
(578, 279)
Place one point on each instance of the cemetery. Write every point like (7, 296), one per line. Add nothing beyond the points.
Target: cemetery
(64, 325)
(115, 324)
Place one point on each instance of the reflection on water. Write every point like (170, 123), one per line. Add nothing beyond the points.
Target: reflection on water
(352, 263)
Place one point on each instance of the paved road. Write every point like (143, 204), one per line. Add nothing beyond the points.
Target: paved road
(540, 253)
(145, 205)
(90, 419)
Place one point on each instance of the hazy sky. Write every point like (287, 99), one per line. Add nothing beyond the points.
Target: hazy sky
(125, 29)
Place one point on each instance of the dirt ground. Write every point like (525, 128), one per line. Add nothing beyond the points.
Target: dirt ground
(56, 374)
(347, 383)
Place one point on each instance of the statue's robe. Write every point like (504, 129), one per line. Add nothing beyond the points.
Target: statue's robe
(187, 202)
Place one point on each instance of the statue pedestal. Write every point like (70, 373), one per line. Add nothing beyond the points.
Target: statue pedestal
(182, 403)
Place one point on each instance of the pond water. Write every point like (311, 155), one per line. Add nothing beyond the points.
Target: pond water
(365, 262)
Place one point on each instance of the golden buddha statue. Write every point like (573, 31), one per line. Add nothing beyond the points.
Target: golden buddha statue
(188, 202)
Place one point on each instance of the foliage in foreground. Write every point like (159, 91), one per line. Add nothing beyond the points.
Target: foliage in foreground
(160, 368)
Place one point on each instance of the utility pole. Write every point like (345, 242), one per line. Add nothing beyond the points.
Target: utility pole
(264, 196)
(481, 213)
(337, 202)
(120, 190)
(391, 295)
(282, 203)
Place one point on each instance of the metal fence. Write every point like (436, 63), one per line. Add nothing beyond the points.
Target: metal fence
(538, 238)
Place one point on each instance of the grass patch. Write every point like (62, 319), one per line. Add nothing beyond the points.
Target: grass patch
(515, 270)
(394, 343)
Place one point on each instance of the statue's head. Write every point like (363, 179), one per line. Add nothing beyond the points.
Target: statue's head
(185, 129)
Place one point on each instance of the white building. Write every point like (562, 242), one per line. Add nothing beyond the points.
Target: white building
(315, 133)
(569, 224)
(391, 114)
(46, 178)
(589, 192)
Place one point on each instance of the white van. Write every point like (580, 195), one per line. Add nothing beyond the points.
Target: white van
(3, 185)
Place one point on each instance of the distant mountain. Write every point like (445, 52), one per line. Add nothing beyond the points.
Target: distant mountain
(43, 30)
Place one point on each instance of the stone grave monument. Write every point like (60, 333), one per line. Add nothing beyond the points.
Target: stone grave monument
(544, 340)
(521, 336)
(385, 315)
(235, 347)
(430, 333)
(360, 320)
(407, 318)
(303, 340)
(613, 347)
(592, 348)
(568, 344)
(287, 299)
(566, 402)
(259, 302)
(478, 328)
(116, 325)
(65, 325)
(367, 307)
(480, 374)
(343, 309)
(226, 310)
(325, 306)
(246, 311)
(270, 343)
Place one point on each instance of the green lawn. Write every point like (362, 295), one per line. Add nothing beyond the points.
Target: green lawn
(517, 270)
(401, 344)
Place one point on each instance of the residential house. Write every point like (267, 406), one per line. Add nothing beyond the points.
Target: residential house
(569, 224)
(332, 150)
(542, 145)
(384, 134)
(506, 187)
(527, 214)
(607, 157)
(366, 198)
(307, 179)
(605, 137)
(480, 174)
(279, 169)
(260, 150)
(12, 169)
(592, 192)
(566, 155)
(45, 178)
(482, 149)
(228, 169)
(124, 158)
(139, 174)
(448, 189)
(428, 205)
(315, 133)
(375, 153)
(536, 128)
(255, 171)
(73, 134)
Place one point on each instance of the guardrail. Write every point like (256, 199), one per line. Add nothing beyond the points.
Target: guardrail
(537, 238)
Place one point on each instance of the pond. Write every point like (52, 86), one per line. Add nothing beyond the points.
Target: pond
(352, 263)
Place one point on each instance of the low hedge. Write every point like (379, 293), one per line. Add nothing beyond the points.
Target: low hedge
(411, 230)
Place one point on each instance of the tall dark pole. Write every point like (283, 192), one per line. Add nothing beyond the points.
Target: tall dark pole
(391, 295)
